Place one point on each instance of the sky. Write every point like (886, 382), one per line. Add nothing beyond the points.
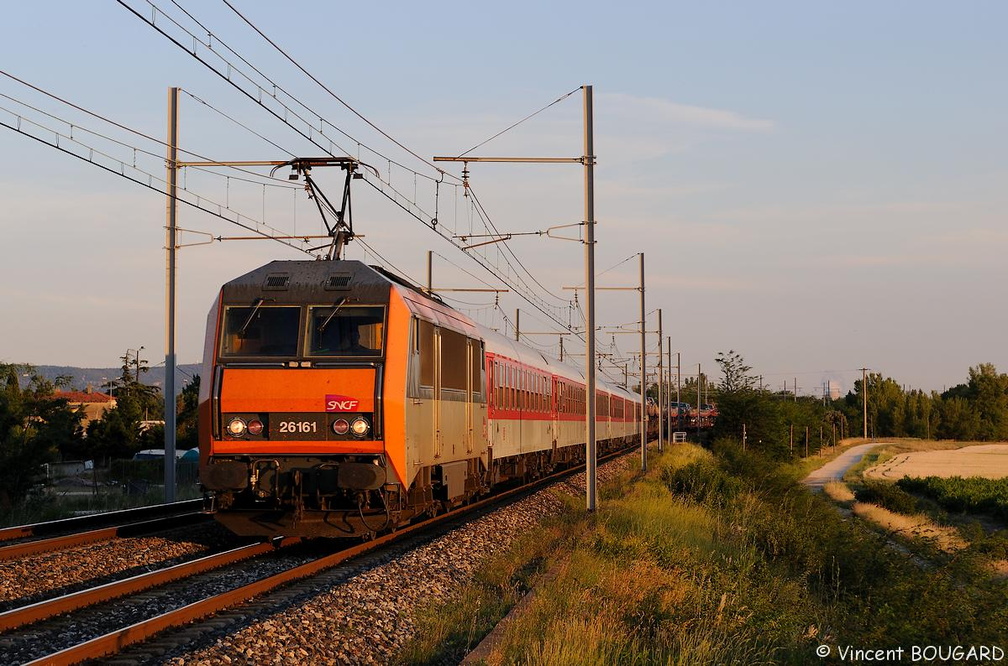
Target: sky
(820, 187)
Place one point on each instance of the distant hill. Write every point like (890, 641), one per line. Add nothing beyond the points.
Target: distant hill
(98, 378)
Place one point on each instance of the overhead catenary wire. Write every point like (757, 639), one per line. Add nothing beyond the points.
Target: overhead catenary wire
(116, 165)
(473, 276)
(526, 118)
(233, 71)
(264, 95)
(493, 271)
(486, 217)
(306, 129)
(330, 92)
(386, 135)
(199, 204)
(97, 116)
(237, 122)
(388, 263)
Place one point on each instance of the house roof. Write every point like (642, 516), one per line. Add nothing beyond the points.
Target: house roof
(84, 397)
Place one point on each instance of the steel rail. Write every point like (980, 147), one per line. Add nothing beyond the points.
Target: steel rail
(44, 610)
(115, 641)
(79, 522)
(26, 548)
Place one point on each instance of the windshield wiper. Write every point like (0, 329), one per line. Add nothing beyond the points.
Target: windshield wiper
(248, 320)
(332, 314)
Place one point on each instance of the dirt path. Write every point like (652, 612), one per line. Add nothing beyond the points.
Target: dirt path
(989, 461)
(835, 469)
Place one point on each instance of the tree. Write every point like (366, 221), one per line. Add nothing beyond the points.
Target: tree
(187, 422)
(735, 372)
(958, 420)
(118, 433)
(989, 392)
(34, 426)
(743, 409)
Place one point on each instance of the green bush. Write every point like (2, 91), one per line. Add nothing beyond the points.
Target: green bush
(887, 495)
(702, 481)
(970, 495)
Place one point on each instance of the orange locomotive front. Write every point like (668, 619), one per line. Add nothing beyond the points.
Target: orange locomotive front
(302, 398)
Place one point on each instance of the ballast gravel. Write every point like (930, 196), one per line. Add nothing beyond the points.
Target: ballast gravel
(48, 575)
(366, 616)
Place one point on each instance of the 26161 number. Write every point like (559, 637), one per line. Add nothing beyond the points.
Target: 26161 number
(298, 427)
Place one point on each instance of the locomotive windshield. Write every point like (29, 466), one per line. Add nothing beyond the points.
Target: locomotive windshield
(261, 330)
(344, 330)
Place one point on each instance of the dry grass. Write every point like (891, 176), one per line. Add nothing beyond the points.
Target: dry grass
(1000, 568)
(984, 460)
(946, 539)
(839, 492)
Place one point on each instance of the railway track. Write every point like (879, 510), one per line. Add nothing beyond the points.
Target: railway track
(79, 626)
(34, 547)
(98, 520)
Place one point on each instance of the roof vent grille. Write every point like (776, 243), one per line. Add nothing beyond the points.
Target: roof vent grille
(277, 281)
(338, 282)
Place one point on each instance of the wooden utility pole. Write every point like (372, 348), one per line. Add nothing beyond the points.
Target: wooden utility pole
(864, 395)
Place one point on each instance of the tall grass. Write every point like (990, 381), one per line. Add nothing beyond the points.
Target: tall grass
(710, 559)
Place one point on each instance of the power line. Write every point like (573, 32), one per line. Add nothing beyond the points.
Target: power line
(71, 125)
(528, 117)
(331, 93)
(236, 122)
(264, 97)
(463, 270)
(486, 217)
(123, 169)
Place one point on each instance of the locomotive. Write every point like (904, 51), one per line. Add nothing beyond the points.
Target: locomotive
(339, 400)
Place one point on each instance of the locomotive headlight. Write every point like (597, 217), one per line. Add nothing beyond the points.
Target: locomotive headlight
(237, 427)
(255, 427)
(360, 426)
(340, 426)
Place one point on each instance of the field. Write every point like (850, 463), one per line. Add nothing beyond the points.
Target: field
(989, 461)
(951, 494)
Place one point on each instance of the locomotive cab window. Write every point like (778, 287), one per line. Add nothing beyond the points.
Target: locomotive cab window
(261, 330)
(345, 330)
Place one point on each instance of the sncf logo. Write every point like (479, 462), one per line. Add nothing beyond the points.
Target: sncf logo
(340, 403)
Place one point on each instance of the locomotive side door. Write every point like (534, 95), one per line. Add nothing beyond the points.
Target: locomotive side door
(469, 396)
(436, 402)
